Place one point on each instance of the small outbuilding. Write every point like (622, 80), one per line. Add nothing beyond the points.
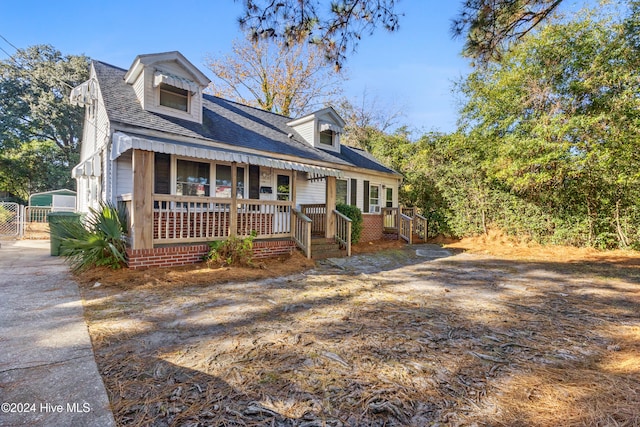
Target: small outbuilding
(57, 200)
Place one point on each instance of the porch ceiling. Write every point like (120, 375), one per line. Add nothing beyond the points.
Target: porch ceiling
(123, 142)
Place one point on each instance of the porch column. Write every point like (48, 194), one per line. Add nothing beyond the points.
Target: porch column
(331, 205)
(292, 189)
(142, 215)
(233, 215)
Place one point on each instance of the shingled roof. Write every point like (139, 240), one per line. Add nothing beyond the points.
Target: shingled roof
(225, 122)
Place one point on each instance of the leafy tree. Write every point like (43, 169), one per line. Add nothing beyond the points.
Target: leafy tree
(266, 74)
(35, 111)
(555, 119)
(335, 26)
(490, 25)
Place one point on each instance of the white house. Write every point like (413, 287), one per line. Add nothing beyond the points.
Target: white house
(192, 167)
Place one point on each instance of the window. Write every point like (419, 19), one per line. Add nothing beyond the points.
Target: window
(173, 97)
(162, 173)
(326, 138)
(374, 199)
(223, 181)
(192, 178)
(389, 203)
(240, 183)
(283, 187)
(341, 191)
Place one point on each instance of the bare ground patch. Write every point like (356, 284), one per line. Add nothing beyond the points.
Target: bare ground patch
(406, 336)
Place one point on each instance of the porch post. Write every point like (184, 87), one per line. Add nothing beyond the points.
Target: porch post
(233, 215)
(142, 216)
(294, 177)
(331, 205)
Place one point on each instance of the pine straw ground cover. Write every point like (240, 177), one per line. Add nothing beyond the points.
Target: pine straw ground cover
(529, 337)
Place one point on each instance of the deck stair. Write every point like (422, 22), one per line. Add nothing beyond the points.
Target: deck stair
(322, 248)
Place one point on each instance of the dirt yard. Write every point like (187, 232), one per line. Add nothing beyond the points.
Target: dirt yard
(486, 333)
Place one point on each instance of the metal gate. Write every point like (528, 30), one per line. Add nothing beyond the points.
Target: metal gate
(11, 220)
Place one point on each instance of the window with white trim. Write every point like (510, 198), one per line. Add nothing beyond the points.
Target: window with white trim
(389, 202)
(283, 187)
(174, 97)
(374, 199)
(326, 137)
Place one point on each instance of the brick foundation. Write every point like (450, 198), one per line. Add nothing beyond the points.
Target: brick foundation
(372, 228)
(191, 254)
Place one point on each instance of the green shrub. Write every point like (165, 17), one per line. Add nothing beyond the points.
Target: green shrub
(100, 241)
(355, 215)
(233, 251)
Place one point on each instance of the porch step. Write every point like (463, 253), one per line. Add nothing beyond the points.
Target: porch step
(322, 248)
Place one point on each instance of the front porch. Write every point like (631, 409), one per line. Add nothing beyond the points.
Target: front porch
(173, 229)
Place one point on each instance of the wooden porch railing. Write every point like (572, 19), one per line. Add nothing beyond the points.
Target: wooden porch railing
(301, 231)
(390, 219)
(409, 211)
(421, 226)
(406, 228)
(343, 230)
(317, 213)
(184, 219)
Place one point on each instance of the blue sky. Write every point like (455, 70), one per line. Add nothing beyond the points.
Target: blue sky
(412, 69)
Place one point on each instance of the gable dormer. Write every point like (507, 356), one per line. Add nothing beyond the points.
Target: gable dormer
(321, 129)
(167, 83)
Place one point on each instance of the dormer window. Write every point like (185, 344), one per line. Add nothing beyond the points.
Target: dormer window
(174, 97)
(326, 138)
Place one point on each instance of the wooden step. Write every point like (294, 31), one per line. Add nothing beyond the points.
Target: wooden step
(322, 248)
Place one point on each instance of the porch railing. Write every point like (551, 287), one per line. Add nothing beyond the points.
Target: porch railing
(406, 228)
(317, 213)
(343, 230)
(184, 219)
(301, 231)
(421, 227)
(390, 219)
(409, 211)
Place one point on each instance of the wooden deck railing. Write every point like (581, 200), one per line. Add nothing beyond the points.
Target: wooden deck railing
(343, 231)
(390, 219)
(301, 231)
(406, 228)
(317, 213)
(184, 219)
(409, 211)
(421, 227)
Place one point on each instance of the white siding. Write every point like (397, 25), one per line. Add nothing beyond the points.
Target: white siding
(138, 87)
(124, 174)
(306, 131)
(310, 192)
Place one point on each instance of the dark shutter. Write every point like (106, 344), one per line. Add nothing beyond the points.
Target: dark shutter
(254, 182)
(162, 173)
(366, 197)
(354, 191)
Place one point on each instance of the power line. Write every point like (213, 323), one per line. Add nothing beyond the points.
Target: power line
(9, 43)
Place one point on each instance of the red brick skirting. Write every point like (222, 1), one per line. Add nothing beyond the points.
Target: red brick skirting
(190, 254)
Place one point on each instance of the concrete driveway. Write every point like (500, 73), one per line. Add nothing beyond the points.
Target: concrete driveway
(48, 374)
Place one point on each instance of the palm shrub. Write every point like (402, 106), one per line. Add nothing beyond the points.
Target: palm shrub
(100, 241)
(355, 215)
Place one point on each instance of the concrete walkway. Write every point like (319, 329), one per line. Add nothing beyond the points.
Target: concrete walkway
(48, 374)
